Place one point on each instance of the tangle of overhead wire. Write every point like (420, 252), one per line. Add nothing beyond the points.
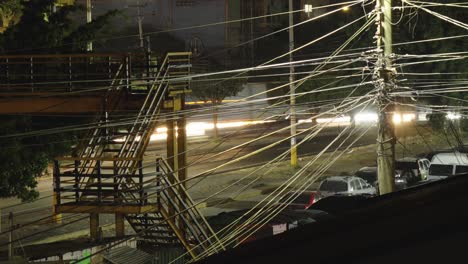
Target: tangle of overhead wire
(310, 42)
(126, 239)
(143, 231)
(438, 15)
(369, 100)
(117, 175)
(210, 157)
(298, 173)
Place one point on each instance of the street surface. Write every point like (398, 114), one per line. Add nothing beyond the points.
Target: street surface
(201, 151)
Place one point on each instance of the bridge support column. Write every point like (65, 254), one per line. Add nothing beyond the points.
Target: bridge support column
(171, 156)
(182, 156)
(119, 225)
(94, 226)
(176, 148)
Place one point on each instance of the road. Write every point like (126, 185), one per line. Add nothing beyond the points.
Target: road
(205, 156)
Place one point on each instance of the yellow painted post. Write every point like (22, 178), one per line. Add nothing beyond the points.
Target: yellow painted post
(171, 160)
(181, 153)
(57, 216)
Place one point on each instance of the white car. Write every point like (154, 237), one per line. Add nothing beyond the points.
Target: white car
(444, 165)
(345, 185)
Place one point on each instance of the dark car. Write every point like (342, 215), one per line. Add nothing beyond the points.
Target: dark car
(369, 174)
(302, 201)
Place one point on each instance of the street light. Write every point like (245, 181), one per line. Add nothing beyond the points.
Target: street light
(308, 7)
(89, 19)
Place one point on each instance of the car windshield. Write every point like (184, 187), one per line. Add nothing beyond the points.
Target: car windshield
(334, 186)
(443, 170)
(370, 176)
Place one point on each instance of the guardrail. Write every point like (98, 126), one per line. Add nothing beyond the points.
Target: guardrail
(104, 186)
(52, 73)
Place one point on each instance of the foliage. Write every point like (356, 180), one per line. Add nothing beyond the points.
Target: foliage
(464, 124)
(437, 121)
(85, 32)
(215, 91)
(9, 10)
(23, 159)
(41, 30)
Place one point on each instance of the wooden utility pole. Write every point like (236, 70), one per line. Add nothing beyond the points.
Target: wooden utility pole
(292, 88)
(384, 80)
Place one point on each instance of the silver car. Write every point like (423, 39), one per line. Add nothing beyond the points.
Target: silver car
(345, 185)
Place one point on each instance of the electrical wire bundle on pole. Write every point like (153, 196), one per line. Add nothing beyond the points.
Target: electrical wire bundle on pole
(384, 76)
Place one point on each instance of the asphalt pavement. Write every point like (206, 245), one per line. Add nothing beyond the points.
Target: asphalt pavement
(204, 155)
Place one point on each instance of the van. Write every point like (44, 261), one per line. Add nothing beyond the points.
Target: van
(408, 171)
(412, 169)
(444, 165)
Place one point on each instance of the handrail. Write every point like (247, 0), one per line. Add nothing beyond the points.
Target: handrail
(97, 159)
(137, 125)
(180, 53)
(75, 55)
(191, 204)
(124, 170)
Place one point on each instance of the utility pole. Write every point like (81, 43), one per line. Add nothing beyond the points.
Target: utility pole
(89, 19)
(140, 23)
(384, 80)
(292, 88)
(140, 26)
(252, 46)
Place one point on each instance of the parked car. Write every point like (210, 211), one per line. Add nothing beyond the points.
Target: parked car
(408, 171)
(369, 174)
(345, 185)
(444, 165)
(412, 169)
(302, 201)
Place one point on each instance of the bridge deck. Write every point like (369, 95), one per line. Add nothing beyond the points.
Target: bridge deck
(34, 103)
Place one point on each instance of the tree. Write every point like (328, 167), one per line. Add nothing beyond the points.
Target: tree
(24, 158)
(10, 11)
(44, 31)
(215, 91)
(437, 121)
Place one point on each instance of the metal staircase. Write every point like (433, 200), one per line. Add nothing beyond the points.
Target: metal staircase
(107, 171)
